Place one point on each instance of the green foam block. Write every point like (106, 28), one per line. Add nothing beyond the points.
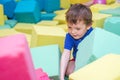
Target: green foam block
(47, 58)
(112, 24)
(96, 45)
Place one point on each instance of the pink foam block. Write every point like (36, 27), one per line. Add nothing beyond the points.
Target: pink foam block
(15, 59)
(41, 75)
(99, 1)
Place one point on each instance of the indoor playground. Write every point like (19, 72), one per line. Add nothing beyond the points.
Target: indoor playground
(32, 34)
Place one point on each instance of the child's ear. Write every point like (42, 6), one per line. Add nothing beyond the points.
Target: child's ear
(88, 27)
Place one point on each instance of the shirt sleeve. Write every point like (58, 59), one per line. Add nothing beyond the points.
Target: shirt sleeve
(68, 44)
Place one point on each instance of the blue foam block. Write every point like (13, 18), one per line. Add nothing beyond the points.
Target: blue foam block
(9, 7)
(47, 16)
(51, 6)
(27, 11)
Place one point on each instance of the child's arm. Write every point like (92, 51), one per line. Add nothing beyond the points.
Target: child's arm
(64, 62)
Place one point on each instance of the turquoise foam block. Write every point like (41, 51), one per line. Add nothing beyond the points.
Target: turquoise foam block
(9, 7)
(99, 43)
(112, 24)
(113, 12)
(47, 16)
(27, 12)
(11, 23)
(51, 6)
(41, 4)
(6, 26)
(47, 58)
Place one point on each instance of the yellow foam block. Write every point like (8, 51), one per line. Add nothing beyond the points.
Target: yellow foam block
(98, 19)
(110, 1)
(7, 32)
(1, 9)
(47, 36)
(63, 26)
(47, 23)
(78, 1)
(1, 15)
(2, 20)
(60, 18)
(60, 11)
(115, 5)
(24, 27)
(5, 17)
(64, 4)
(98, 7)
(105, 68)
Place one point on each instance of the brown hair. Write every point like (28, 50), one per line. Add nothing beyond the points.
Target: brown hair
(79, 12)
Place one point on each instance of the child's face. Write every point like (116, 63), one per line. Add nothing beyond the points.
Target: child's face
(78, 30)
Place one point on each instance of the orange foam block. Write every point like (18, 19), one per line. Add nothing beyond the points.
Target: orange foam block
(15, 59)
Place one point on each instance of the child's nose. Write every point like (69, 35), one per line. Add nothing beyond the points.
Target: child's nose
(73, 31)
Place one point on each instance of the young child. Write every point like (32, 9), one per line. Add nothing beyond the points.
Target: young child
(79, 21)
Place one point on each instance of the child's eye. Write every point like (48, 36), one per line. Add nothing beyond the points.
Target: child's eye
(69, 27)
(77, 28)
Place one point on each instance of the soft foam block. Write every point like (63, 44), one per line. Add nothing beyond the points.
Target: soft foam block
(105, 68)
(43, 35)
(112, 24)
(65, 4)
(24, 27)
(98, 7)
(1, 15)
(96, 45)
(47, 58)
(47, 23)
(27, 11)
(60, 18)
(11, 23)
(51, 6)
(47, 16)
(41, 75)
(9, 7)
(98, 19)
(6, 26)
(8, 32)
(78, 1)
(113, 12)
(15, 59)
(41, 4)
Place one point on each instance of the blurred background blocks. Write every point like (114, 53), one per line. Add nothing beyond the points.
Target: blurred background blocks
(78, 1)
(8, 32)
(9, 7)
(51, 6)
(1, 15)
(47, 23)
(24, 27)
(99, 19)
(11, 22)
(112, 24)
(47, 16)
(113, 12)
(27, 12)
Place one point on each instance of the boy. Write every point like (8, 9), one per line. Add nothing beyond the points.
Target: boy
(79, 21)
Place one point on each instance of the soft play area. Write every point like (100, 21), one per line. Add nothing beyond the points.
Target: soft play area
(32, 34)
